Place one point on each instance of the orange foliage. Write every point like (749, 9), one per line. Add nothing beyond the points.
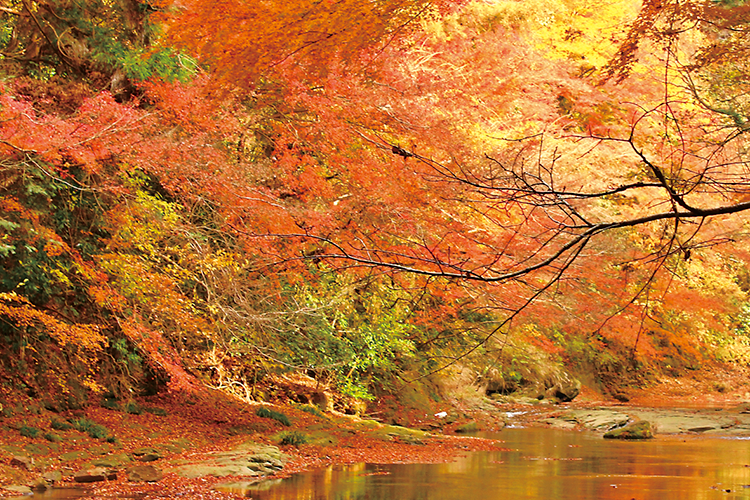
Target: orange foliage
(23, 315)
(159, 353)
(240, 41)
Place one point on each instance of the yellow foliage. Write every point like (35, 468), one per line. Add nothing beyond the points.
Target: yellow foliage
(568, 29)
(23, 315)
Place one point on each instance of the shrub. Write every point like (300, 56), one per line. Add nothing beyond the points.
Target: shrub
(52, 437)
(294, 438)
(28, 431)
(159, 412)
(60, 425)
(313, 410)
(133, 408)
(96, 431)
(111, 404)
(274, 415)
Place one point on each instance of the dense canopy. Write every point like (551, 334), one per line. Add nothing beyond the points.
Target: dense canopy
(367, 193)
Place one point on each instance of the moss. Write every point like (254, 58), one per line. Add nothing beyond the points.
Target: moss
(111, 404)
(96, 431)
(133, 408)
(294, 438)
(313, 410)
(159, 412)
(636, 430)
(274, 415)
(467, 428)
(52, 437)
(29, 431)
(60, 425)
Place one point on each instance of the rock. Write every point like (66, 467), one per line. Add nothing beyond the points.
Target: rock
(140, 452)
(565, 389)
(52, 477)
(468, 427)
(249, 459)
(144, 473)
(684, 421)
(111, 461)
(17, 489)
(621, 397)
(322, 400)
(202, 470)
(149, 457)
(40, 485)
(94, 475)
(559, 423)
(22, 461)
(597, 420)
(635, 430)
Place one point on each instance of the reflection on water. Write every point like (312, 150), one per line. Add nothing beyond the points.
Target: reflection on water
(61, 494)
(545, 464)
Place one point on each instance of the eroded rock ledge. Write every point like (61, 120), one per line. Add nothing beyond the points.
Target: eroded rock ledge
(725, 422)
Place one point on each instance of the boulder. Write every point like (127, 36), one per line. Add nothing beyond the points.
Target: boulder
(94, 475)
(40, 485)
(565, 388)
(144, 473)
(249, 459)
(52, 477)
(322, 400)
(467, 428)
(22, 461)
(635, 430)
(597, 419)
(686, 421)
(16, 490)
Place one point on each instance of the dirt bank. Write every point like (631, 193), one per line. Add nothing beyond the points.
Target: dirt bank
(185, 444)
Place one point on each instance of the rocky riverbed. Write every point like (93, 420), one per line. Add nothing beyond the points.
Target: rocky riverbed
(733, 421)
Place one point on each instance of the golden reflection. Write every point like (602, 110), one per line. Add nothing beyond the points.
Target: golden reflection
(548, 464)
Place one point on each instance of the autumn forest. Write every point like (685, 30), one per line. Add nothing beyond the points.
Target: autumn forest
(371, 195)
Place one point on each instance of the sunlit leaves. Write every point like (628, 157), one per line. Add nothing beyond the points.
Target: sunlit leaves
(22, 315)
(241, 41)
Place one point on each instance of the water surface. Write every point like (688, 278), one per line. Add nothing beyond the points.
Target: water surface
(544, 464)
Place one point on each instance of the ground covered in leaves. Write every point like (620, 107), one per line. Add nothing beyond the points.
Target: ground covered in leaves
(176, 432)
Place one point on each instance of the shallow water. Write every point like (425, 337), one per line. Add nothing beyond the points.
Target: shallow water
(544, 464)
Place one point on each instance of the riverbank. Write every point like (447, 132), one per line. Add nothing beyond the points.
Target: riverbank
(190, 444)
(711, 404)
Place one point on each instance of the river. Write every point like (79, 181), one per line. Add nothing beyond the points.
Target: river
(543, 464)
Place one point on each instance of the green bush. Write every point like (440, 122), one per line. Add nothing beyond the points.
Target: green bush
(96, 431)
(29, 431)
(133, 408)
(294, 438)
(275, 415)
(313, 410)
(111, 404)
(159, 412)
(52, 437)
(60, 425)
